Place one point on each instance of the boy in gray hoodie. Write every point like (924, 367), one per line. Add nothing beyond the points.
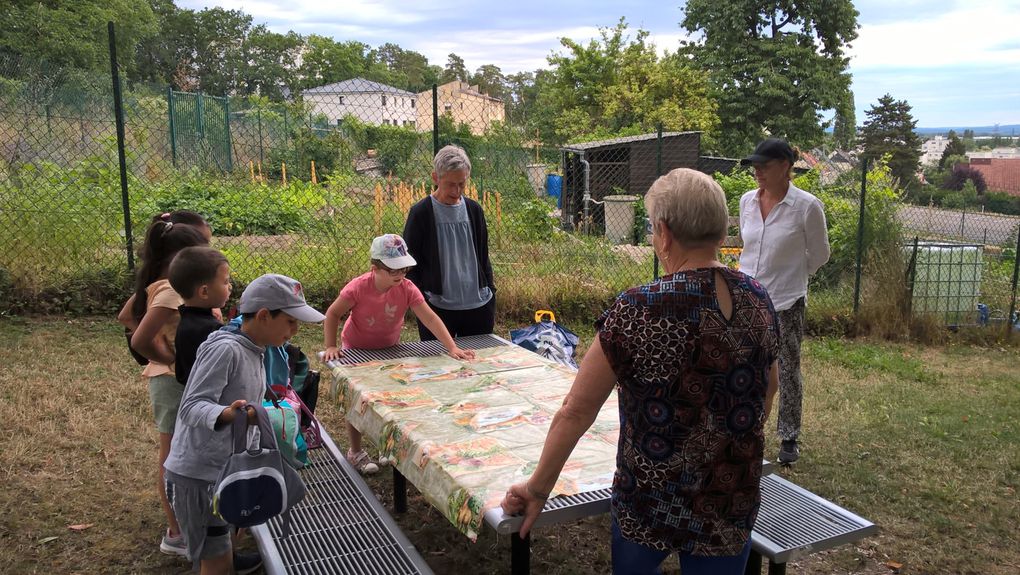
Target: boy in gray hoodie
(228, 374)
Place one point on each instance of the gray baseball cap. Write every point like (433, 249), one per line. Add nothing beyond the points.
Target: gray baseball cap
(277, 292)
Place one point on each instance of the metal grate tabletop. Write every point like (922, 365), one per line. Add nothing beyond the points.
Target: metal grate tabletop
(339, 528)
(418, 349)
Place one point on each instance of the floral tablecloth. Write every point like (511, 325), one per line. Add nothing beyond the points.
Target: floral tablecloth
(464, 431)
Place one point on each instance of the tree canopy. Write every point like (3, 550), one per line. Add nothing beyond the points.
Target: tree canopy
(758, 69)
(844, 130)
(775, 65)
(73, 34)
(616, 85)
(889, 130)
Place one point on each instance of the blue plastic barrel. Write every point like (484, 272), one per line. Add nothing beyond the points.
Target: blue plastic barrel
(554, 187)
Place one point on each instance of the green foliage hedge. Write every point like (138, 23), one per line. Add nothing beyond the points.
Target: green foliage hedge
(235, 208)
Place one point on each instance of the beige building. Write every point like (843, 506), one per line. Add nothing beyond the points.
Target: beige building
(464, 103)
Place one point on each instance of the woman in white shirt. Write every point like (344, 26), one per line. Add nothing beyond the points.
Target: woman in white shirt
(785, 241)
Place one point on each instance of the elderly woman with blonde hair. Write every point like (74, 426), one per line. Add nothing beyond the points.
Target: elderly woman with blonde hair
(692, 356)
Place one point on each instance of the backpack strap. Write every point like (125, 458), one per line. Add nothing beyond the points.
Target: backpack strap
(239, 429)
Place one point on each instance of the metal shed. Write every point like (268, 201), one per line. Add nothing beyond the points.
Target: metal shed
(626, 165)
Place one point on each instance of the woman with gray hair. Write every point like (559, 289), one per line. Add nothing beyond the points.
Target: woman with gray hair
(447, 234)
(692, 356)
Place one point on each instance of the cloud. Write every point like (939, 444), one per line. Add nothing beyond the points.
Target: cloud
(978, 33)
(305, 13)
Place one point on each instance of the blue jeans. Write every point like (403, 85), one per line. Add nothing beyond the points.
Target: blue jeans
(634, 559)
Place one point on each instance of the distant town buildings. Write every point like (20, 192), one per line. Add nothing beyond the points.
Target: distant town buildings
(932, 150)
(829, 166)
(368, 101)
(999, 153)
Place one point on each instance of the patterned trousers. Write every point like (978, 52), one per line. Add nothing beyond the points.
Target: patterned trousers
(791, 384)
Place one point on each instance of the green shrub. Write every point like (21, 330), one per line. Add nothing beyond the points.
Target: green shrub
(882, 228)
(735, 184)
(235, 207)
(531, 220)
(329, 151)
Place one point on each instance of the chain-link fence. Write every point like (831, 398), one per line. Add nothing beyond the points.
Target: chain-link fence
(962, 264)
(302, 187)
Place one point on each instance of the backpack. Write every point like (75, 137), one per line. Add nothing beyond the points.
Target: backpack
(286, 425)
(139, 358)
(256, 484)
(305, 383)
(303, 379)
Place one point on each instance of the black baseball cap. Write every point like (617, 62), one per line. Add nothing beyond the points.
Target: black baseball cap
(771, 149)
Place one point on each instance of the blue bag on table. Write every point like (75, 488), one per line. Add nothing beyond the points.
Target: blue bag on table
(548, 339)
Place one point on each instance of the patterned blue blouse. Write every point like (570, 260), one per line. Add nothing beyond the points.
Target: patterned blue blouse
(692, 388)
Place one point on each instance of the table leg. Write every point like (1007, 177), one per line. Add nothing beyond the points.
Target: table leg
(399, 492)
(753, 564)
(520, 554)
(777, 568)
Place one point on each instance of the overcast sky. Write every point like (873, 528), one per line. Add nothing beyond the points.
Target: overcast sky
(955, 62)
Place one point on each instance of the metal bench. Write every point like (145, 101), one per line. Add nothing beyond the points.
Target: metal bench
(556, 510)
(339, 528)
(793, 522)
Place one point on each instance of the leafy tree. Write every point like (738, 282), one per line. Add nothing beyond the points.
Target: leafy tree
(326, 61)
(844, 131)
(521, 93)
(491, 81)
(454, 70)
(157, 57)
(775, 65)
(618, 86)
(405, 68)
(955, 148)
(266, 66)
(72, 33)
(889, 130)
(218, 49)
(962, 175)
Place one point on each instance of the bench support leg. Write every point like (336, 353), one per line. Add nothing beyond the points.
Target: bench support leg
(753, 564)
(399, 492)
(777, 568)
(520, 554)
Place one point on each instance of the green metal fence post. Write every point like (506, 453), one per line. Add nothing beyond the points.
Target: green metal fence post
(226, 126)
(1016, 269)
(286, 130)
(173, 130)
(259, 116)
(118, 111)
(200, 116)
(860, 236)
(435, 119)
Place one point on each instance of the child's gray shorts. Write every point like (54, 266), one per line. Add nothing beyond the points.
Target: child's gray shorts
(206, 535)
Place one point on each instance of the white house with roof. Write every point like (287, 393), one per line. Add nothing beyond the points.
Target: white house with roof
(370, 102)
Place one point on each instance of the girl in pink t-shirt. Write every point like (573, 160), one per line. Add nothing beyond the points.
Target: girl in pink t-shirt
(377, 302)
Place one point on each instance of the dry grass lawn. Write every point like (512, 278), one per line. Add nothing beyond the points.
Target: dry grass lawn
(922, 441)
